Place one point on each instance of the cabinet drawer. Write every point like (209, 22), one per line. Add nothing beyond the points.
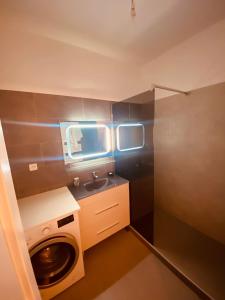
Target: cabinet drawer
(103, 214)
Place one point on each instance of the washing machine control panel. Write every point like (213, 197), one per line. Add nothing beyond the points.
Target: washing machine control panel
(65, 221)
(39, 233)
(34, 234)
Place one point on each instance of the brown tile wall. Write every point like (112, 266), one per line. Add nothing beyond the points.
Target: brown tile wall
(138, 166)
(189, 143)
(30, 124)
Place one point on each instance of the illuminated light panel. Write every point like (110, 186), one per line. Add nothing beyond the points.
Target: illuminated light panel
(129, 125)
(35, 124)
(97, 154)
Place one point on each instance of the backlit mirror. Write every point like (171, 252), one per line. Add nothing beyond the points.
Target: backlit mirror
(130, 136)
(84, 141)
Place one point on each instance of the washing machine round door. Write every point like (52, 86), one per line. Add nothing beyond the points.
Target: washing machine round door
(53, 259)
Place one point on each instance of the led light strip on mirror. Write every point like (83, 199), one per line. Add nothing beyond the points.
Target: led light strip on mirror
(92, 155)
(129, 125)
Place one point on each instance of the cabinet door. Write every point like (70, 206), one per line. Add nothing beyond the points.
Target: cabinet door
(103, 214)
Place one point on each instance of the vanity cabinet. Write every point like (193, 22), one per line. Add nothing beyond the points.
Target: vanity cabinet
(103, 214)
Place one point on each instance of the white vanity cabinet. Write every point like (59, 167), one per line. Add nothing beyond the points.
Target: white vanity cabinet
(103, 214)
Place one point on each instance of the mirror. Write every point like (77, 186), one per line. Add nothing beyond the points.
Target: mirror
(84, 141)
(130, 136)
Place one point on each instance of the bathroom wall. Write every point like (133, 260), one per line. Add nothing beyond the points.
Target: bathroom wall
(138, 165)
(189, 158)
(30, 125)
(33, 62)
(189, 163)
(195, 63)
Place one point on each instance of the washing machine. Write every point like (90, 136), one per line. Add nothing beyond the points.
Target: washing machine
(52, 232)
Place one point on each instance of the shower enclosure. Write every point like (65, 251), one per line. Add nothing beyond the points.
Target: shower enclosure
(177, 190)
(134, 156)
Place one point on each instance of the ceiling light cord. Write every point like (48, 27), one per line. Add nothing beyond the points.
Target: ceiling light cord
(133, 10)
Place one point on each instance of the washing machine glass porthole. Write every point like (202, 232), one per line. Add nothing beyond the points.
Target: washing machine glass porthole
(53, 260)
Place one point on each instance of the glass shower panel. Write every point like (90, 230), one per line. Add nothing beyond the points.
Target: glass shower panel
(133, 120)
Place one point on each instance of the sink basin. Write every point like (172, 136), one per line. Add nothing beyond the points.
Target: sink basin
(97, 184)
(88, 188)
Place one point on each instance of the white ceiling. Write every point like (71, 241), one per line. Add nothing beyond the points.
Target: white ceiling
(106, 27)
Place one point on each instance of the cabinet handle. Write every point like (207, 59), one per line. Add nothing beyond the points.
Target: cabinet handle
(107, 208)
(108, 227)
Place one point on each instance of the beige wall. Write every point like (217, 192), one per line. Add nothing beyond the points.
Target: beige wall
(34, 63)
(197, 62)
(189, 158)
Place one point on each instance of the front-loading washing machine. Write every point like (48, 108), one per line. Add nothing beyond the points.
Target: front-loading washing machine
(52, 232)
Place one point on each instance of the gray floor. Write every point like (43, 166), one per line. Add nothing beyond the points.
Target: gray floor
(198, 256)
(123, 268)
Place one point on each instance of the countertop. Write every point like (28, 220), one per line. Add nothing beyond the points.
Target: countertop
(80, 192)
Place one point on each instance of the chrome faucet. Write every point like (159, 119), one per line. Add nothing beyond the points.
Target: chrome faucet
(94, 175)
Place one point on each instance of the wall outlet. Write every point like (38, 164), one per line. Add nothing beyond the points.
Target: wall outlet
(33, 167)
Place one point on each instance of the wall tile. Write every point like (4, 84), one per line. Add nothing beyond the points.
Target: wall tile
(135, 112)
(97, 110)
(17, 106)
(138, 165)
(121, 111)
(52, 151)
(29, 183)
(53, 108)
(32, 134)
(86, 174)
(55, 175)
(21, 134)
(22, 155)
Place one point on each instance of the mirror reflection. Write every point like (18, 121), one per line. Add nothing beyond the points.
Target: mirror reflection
(85, 140)
(130, 136)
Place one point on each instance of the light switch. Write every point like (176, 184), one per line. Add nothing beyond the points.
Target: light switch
(33, 167)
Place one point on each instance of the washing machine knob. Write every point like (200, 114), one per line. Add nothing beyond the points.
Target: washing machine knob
(45, 230)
